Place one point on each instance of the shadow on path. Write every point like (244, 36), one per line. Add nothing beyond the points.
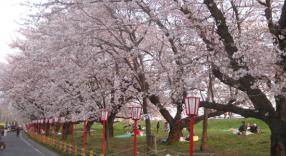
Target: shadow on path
(23, 146)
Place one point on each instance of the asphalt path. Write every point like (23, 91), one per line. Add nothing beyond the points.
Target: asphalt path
(23, 146)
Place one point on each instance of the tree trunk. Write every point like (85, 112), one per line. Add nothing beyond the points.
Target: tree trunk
(278, 137)
(57, 128)
(107, 137)
(88, 127)
(66, 127)
(210, 95)
(176, 125)
(109, 125)
(175, 132)
(205, 130)
(148, 125)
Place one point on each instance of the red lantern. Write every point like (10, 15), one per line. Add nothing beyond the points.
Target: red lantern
(103, 115)
(136, 113)
(192, 105)
(103, 118)
(191, 108)
(73, 119)
(62, 120)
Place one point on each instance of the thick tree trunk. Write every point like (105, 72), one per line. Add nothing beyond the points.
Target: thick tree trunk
(67, 126)
(148, 125)
(205, 130)
(175, 132)
(278, 137)
(109, 125)
(107, 137)
(210, 96)
(88, 127)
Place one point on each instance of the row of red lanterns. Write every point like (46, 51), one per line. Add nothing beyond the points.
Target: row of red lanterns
(191, 109)
(135, 115)
(42, 121)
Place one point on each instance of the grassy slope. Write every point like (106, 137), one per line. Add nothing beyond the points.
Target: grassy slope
(224, 143)
(220, 141)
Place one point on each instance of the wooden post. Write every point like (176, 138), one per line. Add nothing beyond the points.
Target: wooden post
(84, 135)
(70, 148)
(75, 151)
(72, 137)
(155, 145)
(91, 153)
(65, 147)
(82, 152)
(63, 133)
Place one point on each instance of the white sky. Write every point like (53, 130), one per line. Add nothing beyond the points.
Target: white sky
(10, 12)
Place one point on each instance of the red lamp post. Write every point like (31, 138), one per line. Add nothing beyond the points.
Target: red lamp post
(47, 126)
(41, 130)
(103, 118)
(62, 121)
(136, 113)
(34, 126)
(56, 120)
(191, 108)
(37, 126)
(84, 133)
(50, 127)
(41, 125)
(72, 129)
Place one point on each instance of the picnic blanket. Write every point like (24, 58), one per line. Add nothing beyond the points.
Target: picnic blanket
(236, 131)
(127, 135)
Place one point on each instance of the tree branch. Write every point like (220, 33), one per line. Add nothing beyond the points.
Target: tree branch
(185, 121)
(164, 112)
(229, 107)
(235, 10)
(223, 32)
(226, 79)
(282, 20)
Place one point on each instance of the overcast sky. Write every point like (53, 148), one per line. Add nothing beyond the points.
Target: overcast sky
(10, 12)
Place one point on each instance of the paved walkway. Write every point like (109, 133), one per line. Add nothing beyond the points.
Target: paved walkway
(23, 146)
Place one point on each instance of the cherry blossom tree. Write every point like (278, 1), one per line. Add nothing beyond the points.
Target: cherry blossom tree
(78, 57)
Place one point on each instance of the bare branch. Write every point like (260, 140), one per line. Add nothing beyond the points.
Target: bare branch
(185, 121)
(235, 10)
(230, 107)
(282, 20)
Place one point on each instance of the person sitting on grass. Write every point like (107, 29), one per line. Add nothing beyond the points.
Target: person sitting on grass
(254, 128)
(242, 128)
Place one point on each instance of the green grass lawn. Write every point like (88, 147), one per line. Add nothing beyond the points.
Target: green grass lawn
(223, 142)
(220, 141)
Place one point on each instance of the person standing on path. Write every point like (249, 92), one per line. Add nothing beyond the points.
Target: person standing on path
(158, 126)
(18, 131)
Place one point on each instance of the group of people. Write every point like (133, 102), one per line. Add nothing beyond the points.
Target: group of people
(139, 129)
(247, 128)
(166, 126)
